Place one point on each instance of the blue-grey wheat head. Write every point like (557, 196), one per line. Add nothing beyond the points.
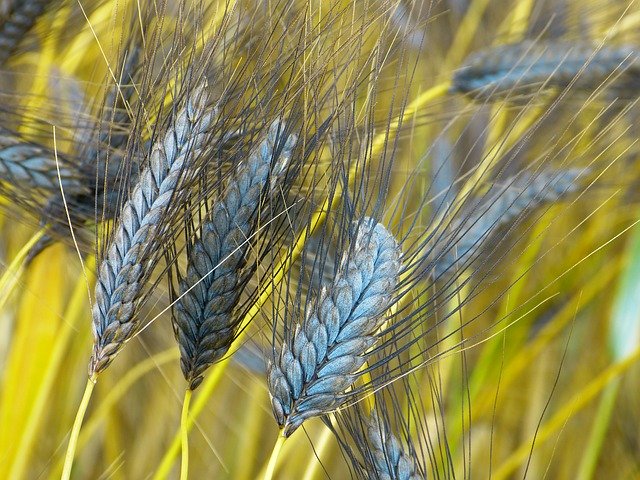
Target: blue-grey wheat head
(203, 318)
(321, 359)
(32, 169)
(529, 65)
(99, 169)
(30, 166)
(126, 263)
(389, 459)
(20, 20)
(520, 194)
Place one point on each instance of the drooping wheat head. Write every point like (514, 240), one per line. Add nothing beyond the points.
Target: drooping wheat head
(311, 373)
(203, 315)
(126, 262)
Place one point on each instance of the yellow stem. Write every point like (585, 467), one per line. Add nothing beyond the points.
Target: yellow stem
(465, 33)
(184, 430)
(12, 273)
(75, 431)
(115, 394)
(250, 440)
(273, 460)
(569, 410)
(527, 354)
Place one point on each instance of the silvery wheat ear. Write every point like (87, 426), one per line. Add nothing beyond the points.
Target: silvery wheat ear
(100, 166)
(521, 193)
(203, 314)
(320, 360)
(22, 17)
(28, 171)
(27, 165)
(102, 161)
(390, 461)
(126, 262)
(529, 65)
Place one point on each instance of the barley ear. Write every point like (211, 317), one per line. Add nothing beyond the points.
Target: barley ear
(21, 19)
(521, 194)
(28, 165)
(527, 66)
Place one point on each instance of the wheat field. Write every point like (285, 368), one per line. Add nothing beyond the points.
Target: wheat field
(309, 239)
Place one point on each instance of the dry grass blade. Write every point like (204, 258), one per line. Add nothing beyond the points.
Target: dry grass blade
(320, 360)
(126, 262)
(203, 315)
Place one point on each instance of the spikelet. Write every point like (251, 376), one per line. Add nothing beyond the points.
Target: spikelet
(27, 165)
(390, 461)
(527, 66)
(21, 19)
(203, 314)
(474, 227)
(320, 360)
(126, 263)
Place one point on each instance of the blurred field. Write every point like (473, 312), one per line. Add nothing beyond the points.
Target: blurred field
(535, 358)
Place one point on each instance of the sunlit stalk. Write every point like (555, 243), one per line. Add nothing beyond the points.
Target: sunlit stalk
(184, 430)
(12, 274)
(72, 314)
(75, 431)
(273, 459)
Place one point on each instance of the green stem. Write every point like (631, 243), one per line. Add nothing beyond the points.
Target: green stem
(598, 432)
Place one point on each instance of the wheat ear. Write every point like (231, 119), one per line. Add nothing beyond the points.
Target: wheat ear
(28, 165)
(520, 194)
(21, 19)
(202, 316)
(528, 65)
(320, 360)
(126, 263)
(390, 460)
